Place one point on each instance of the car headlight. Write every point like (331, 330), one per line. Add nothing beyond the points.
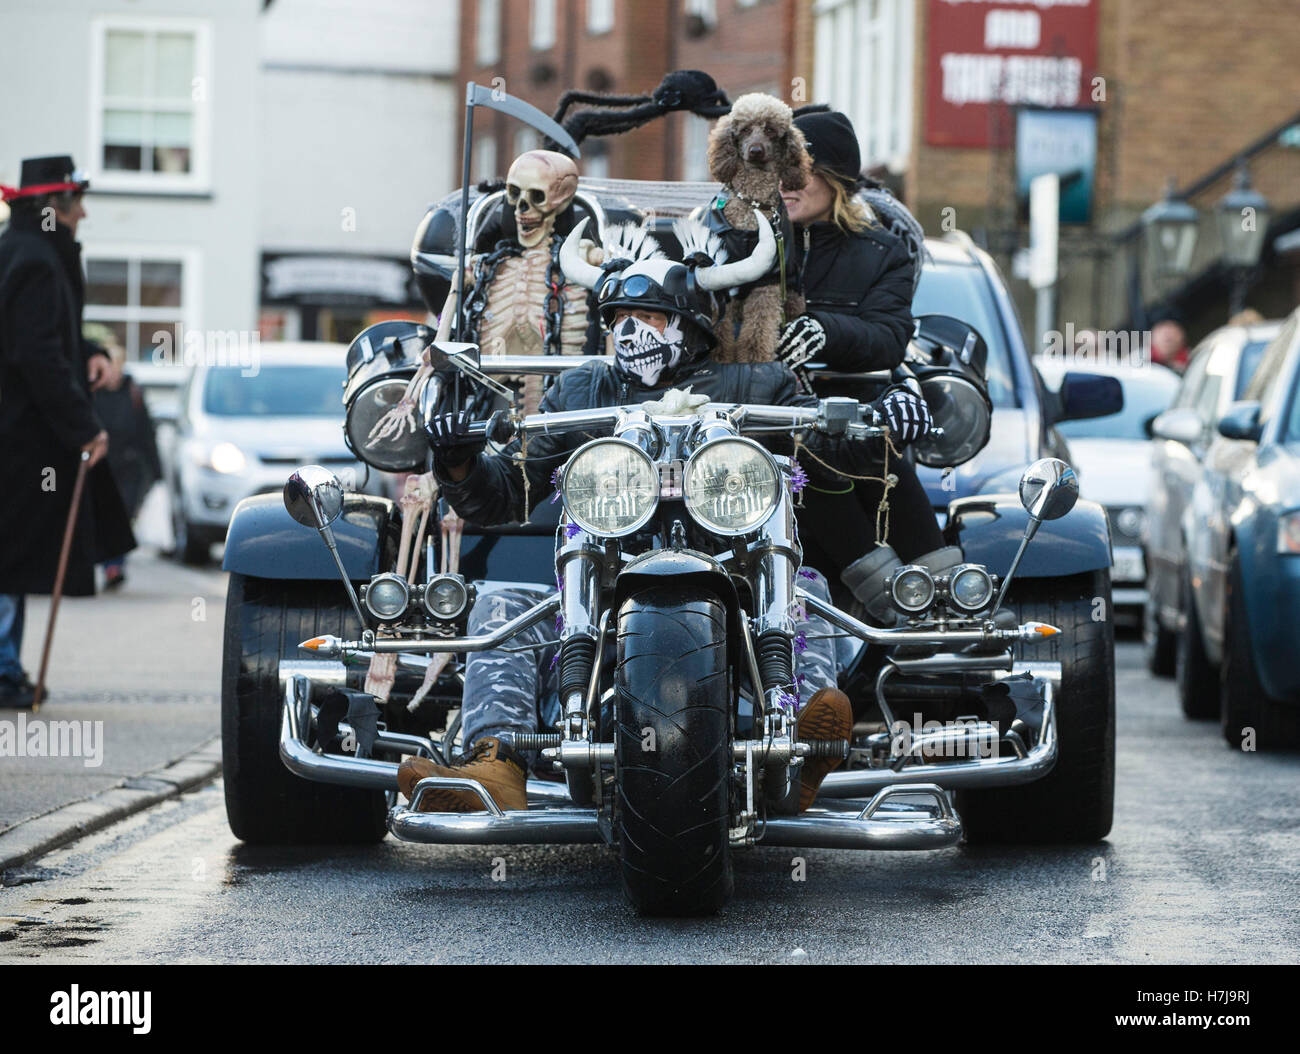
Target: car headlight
(404, 452)
(912, 589)
(387, 596)
(445, 596)
(610, 487)
(731, 485)
(1131, 522)
(1288, 532)
(970, 588)
(226, 458)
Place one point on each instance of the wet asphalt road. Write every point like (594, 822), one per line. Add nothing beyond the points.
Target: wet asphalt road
(1203, 866)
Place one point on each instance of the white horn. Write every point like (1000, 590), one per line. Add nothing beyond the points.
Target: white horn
(748, 269)
(576, 269)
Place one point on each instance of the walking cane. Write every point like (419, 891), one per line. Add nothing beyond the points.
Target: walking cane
(59, 575)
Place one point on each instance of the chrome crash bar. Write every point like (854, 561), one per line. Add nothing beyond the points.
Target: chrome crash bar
(1026, 767)
(885, 822)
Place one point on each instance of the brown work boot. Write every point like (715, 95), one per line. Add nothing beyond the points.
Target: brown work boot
(502, 772)
(828, 715)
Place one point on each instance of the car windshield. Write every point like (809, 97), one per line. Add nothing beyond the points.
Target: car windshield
(1250, 355)
(1144, 398)
(274, 391)
(963, 292)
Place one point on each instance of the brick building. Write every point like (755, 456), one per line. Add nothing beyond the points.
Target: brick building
(937, 90)
(540, 48)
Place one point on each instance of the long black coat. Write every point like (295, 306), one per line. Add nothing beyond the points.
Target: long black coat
(46, 416)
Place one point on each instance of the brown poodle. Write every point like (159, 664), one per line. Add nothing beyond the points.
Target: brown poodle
(753, 151)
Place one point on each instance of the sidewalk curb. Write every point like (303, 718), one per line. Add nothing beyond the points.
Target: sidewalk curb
(36, 837)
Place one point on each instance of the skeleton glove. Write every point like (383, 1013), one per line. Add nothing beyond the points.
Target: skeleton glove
(802, 339)
(449, 436)
(906, 414)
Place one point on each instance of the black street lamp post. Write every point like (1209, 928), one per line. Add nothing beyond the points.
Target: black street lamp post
(1243, 215)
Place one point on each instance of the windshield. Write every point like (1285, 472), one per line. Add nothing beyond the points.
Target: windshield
(1144, 398)
(274, 391)
(963, 293)
(1250, 356)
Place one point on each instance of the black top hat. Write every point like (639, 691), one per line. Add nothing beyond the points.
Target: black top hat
(46, 175)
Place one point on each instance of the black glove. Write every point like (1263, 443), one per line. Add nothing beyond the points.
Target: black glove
(906, 414)
(449, 436)
(802, 339)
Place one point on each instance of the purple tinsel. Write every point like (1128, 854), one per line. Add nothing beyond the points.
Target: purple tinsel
(805, 573)
(555, 482)
(788, 701)
(800, 643)
(554, 660)
(559, 624)
(570, 529)
(798, 477)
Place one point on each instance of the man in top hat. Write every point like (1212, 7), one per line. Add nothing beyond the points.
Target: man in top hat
(47, 420)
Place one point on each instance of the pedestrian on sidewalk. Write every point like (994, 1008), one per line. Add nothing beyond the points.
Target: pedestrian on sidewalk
(47, 419)
(132, 446)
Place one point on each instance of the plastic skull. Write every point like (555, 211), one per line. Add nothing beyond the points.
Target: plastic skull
(540, 185)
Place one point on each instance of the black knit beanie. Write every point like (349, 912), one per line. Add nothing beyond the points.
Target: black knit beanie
(832, 143)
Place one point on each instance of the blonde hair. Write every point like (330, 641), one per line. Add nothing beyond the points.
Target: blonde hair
(848, 213)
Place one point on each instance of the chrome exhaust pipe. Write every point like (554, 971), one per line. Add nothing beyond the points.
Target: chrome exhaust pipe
(884, 823)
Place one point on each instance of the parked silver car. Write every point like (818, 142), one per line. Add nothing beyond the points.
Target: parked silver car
(1217, 375)
(1112, 455)
(241, 430)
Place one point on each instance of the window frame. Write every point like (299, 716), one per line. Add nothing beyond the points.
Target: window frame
(199, 179)
(550, 24)
(597, 27)
(134, 253)
(487, 33)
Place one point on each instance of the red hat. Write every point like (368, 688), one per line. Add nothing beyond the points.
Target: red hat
(46, 175)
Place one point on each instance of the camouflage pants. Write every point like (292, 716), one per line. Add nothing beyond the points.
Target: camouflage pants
(514, 691)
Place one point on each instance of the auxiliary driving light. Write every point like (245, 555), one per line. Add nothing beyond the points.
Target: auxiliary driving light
(445, 596)
(912, 589)
(970, 589)
(387, 596)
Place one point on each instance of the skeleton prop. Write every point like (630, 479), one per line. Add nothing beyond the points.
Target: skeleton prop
(452, 526)
(416, 503)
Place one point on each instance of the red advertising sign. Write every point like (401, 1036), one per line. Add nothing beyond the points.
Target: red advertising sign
(983, 53)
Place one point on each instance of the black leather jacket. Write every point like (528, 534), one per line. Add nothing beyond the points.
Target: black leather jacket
(493, 491)
(859, 287)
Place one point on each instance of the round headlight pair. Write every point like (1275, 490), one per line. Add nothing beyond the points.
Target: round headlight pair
(611, 487)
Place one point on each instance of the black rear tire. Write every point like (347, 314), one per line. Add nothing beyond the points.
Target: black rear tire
(674, 802)
(1243, 702)
(1159, 645)
(1074, 802)
(265, 803)
(1197, 676)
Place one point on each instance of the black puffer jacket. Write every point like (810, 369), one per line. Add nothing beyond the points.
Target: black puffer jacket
(493, 492)
(859, 287)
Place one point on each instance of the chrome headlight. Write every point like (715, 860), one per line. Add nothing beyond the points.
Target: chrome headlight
(405, 452)
(445, 596)
(610, 487)
(912, 589)
(970, 588)
(964, 413)
(387, 597)
(731, 485)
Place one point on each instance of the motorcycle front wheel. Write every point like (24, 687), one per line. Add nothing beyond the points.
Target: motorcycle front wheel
(673, 752)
